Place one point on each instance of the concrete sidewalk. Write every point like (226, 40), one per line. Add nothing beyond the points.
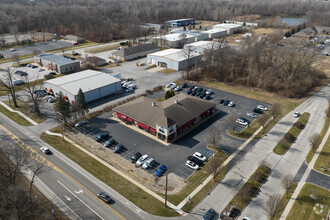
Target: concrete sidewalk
(18, 112)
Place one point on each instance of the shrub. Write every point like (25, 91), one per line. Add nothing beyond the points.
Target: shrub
(299, 125)
(289, 138)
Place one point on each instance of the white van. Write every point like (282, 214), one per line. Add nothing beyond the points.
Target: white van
(18, 82)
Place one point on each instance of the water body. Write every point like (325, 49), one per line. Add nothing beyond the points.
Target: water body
(292, 21)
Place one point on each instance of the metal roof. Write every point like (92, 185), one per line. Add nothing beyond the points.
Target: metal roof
(85, 80)
(56, 59)
(215, 31)
(227, 26)
(173, 54)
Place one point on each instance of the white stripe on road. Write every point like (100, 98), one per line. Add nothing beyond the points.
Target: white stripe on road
(80, 200)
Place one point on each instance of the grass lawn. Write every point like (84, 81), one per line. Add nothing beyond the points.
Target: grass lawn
(251, 187)
(160, 99)
(303, 206)
(284, 201)
(24, 108)
(127, 189)
(323, 159)
(283, 146)
(9, 59)
(73, 47)
(104, 48)
(14, 116)
(167, 71)
(195, 180)
(152, 66)
(311, 152)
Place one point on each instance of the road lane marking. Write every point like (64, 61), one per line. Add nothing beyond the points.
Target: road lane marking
(79, 199)
(79, 191)
(67, 198)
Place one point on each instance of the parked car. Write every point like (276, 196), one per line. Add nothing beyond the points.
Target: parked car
(141, 160)
(244, 119)
(80, 123)
(131, 86)
(127, 83)
(12, 49)
(135, 157)
(221, 101)
(226, 102)
(109, 142)
(47, 97)
(34, 66)
(52, 73)
(51, 99)
(207, 97)
(209, 92)
(192, 165)
(41, 70)
(40, 93)
(195, 88)
(200, 156)
(202, 95)
(199, 89)
(118, 148)
(209, 215)
(296, 114)
(75, 43)
(161, 170)
(195, 160)
(241, 122)
(22, 73)
(264, 108)
(189, 92)
(18, 82)
(191, 87)
(231, 104)
(119, 48)
(245, 218)
(184, 85)
(148, 163)
(198, 94)
(168, 85)
(102, 136)
(173, 86)
(178, 88)
(29, 65)
(193, 93)
(252, 115)
(45, 150)
(258, 110)
(104, 197)
(129, 90)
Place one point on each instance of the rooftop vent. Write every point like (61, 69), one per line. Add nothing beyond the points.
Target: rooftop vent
(176, 101)
(153, 103)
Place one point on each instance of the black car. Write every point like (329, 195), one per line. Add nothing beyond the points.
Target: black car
(104, 197)
(52, 74)
(188, 92)
(207, 97)
(202, 95)
(199, 90)
(135, 157)
(198, 94)
(221, 101)
(21, 73)
(193, 93)
(226, 102)
(195, 160)
(33, 66)
(102, 136)
(118, 148)
(184, 85)
(209, 214)
(258, 110)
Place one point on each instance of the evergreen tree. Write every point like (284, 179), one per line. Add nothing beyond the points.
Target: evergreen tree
(62, 111)
(184, 28)
(81, 103)
(172, 93)
(167, 95)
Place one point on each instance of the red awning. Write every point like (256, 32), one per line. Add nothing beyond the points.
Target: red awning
(143, 125)
(129, 119)
(152, 130)
(122, 116)
(187, 124)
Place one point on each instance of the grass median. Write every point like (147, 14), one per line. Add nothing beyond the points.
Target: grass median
(14, 116)
(323, 159)
(127, 189)
(285, 143)
(312, 203)
(104, 48)
(251, 187)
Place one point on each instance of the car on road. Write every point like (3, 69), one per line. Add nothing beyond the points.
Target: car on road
(200, 156)
(264, 108)
(209, 215)
(135, 157)
(80, 123)
(296, 114)
(184, 85)
(109, 142)
(231, 104)
(252, 115)
(148, 163)
(226, 102)
(119, 48)
(118, 148)
(104, 197)
(161, 170)
(45, 150)
(141, 160)
(192, 165)
(258, 110)
(195, 160)
(209, 92)
(12, 49)
(102, 136)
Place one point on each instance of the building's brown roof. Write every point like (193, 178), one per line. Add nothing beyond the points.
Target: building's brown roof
(73, 37)
(293, 41)
(165, 113)
(94, 59)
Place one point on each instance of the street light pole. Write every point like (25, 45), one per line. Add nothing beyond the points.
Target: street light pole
(166, 190)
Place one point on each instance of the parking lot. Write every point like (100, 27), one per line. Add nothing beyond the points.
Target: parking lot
(175, 154)
(42, 46)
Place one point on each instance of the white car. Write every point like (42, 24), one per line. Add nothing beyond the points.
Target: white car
(192, 165)
(208, 92)
(12, 49)
(241, 122)
(51, 99)
(252, 115)
(169, 85)
(141, 160)
(264, 108)
(127, 84)
(131, 86)
(148, 163)
(80, 123)
(231, 104)
(296, 114)
(45, 150)
(178, 88)
(200, 156)
(173, 86)
(245, 218)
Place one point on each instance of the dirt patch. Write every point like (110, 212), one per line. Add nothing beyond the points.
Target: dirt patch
(323, 64)
(269, 31)
(205, 23)
(155, 184)
(251, 18)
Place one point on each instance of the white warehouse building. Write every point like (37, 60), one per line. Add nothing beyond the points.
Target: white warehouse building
(172, 58)
(176, 40)
(200, 46)
(94, 84)
(231, 28)
(216, 33)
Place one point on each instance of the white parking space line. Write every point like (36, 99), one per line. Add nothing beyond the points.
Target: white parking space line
(127, 154)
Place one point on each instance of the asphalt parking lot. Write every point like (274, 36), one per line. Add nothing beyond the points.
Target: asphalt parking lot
(42, 46)
(175, 154)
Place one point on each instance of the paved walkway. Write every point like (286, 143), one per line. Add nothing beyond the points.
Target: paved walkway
(18, 112)
(304, 178)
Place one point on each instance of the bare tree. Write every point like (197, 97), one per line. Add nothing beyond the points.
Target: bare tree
(314, 141)
(36, 52)
(286, 182)
(275, 110)
(213, 167)
(328, 110)
(30, 86)
(231, 122)
(272, 207)
(7, 82)
(262, 120)
(187, 53)
(16, 58)
(214, 137)
(183, 40)
(14, 31)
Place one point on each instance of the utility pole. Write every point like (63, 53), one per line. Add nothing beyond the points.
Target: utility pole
(166, 191)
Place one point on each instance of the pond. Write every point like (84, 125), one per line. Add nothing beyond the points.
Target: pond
(292, 21)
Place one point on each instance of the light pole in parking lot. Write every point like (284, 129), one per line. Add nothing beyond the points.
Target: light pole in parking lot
(166, 190)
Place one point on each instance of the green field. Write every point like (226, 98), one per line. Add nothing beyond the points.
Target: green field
(14, 116)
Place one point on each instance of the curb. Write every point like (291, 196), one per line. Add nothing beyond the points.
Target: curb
(20, 113)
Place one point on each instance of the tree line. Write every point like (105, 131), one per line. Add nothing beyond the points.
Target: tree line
(106, 20)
